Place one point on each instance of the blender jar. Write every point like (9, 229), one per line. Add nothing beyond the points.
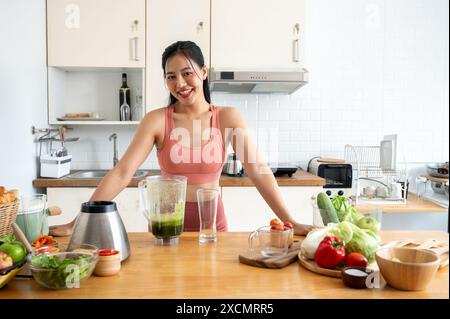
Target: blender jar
(162, 199)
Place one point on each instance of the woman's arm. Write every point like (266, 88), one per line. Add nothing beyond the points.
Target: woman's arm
(257, 169)
(141, 145)
(119, 177)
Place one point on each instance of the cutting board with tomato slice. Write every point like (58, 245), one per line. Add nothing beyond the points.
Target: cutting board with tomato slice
(256, 260)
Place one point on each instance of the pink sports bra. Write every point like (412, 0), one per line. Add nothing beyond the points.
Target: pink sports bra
(201, 164)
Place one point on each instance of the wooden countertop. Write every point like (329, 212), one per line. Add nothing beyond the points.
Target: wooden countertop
(413, 205)
(212, 271)
(300, 178)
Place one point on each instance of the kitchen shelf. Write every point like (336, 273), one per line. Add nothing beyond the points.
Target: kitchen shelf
(94, 122)
(93, 90)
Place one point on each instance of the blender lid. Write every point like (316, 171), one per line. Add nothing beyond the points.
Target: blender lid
(94, 207)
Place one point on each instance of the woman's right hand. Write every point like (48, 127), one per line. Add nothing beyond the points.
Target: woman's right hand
(302, 229)
(61, 230)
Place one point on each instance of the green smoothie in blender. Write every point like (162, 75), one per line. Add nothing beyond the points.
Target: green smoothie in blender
(163, 199)
(170, 224)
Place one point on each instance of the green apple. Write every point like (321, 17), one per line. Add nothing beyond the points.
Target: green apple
(15, 250)
(370, 223)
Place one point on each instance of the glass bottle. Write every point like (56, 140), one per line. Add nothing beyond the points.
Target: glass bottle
(124, 100)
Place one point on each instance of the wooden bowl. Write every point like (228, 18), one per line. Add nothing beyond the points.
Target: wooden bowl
(108, 264)
(412, 269)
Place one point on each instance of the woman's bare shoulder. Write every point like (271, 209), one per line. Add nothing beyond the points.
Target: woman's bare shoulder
(230, 116)
(155, 115)
(154, 120)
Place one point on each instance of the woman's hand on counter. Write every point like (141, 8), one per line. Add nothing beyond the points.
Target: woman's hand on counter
(302, 229)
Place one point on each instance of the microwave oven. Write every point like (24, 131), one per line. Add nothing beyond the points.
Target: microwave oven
(338, 177)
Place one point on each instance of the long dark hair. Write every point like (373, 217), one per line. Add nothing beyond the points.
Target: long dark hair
(193, 53)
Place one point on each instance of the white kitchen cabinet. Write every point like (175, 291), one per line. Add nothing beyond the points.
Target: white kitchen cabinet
(169, 21)
(246, 210)
(69, 199)
(257, 33)
(96, 33)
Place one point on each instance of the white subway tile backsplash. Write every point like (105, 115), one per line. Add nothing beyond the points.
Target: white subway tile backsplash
(298, 115)
(98, 156)
(281, 116)
(314, 115)
(300, 136)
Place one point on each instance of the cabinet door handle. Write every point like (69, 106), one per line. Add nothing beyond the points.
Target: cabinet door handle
(296, 43)
(135, 49)
(296, 50)
(200, 26)
(135, 25)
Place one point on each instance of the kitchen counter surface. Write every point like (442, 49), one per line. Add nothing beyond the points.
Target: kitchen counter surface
(413, 205)
(191, 270)
(300, 178)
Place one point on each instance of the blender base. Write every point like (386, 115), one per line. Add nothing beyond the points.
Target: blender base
(166, 241)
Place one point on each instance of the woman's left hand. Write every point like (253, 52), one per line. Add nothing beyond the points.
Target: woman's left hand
(302, 229)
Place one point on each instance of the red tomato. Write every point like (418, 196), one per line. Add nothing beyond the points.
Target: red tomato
(356, 259)
(288, 225)
(46, 249)
(276, 222)
(108, 252)
(43, 241)
(277, 228)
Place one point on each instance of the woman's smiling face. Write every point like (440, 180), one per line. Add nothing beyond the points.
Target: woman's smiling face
(184, 79)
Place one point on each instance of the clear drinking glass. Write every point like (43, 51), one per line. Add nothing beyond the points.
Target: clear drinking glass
(32, 216)
(317, 213)
(373, 219)
(421, 186)
(207, 200)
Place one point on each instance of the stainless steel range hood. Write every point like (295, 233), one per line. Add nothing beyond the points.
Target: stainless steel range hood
(257, 82)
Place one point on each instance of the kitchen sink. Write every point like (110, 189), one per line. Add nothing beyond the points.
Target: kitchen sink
(101, 174)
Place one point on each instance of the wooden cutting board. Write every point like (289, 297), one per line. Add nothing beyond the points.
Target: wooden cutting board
(436, 179)
(438, 247)
(331, 160)
(256, 260)
(311, 265)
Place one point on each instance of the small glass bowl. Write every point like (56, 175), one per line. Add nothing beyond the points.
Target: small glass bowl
(355, 277)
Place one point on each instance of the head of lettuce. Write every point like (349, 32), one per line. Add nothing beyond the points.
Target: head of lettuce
(363, 241)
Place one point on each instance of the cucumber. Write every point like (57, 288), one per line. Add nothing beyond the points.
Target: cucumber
(327, 210)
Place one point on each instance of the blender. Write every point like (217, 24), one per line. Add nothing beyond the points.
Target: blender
(162, 199)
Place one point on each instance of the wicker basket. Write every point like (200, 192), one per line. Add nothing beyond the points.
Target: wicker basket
(8, 213)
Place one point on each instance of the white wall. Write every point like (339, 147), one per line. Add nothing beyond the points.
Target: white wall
(23, 89)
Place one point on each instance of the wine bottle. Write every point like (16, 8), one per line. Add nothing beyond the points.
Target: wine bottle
(124, 100)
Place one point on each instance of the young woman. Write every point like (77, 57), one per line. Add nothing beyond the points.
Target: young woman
(190, 136)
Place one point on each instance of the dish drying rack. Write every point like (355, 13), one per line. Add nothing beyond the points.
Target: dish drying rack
(377, 163)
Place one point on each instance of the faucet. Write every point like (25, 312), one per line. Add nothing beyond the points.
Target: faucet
(115, 156)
